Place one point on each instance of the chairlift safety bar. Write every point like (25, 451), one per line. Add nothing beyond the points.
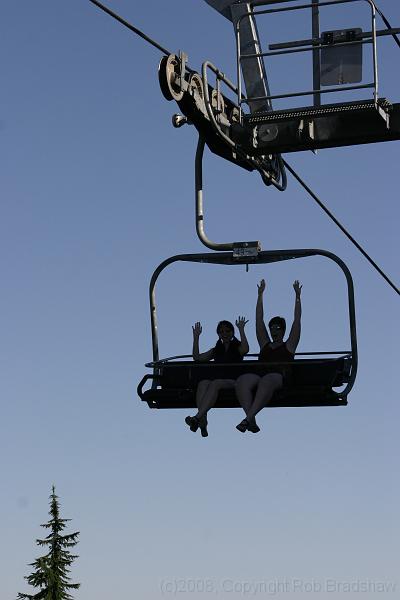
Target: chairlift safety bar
(163, 361)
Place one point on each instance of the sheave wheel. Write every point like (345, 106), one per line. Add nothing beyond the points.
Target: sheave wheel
(168, 74)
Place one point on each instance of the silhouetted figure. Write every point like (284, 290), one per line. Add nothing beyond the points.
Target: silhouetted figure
(228, 349)
(272, 349)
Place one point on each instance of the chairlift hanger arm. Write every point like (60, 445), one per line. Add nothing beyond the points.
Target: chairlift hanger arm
(199, 201)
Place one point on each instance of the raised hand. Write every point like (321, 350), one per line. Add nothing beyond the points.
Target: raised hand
(197, 329)
(261, 286)
(297, 288)
(241, 322)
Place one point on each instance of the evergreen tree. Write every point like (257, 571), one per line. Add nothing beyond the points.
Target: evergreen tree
(51, 570)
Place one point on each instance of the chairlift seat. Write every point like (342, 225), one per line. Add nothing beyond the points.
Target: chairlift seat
(311, 383)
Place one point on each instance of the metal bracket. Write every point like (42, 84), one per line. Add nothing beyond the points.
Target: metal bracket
(180, 120)
(242, 250)
(182, 67)
(384, 114)
(306, 129)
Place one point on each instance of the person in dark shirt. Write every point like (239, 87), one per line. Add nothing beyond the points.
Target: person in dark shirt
(272, 349)
(228, 349)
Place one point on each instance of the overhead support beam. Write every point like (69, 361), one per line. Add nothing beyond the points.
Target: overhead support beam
(222, 6)
(253, 70)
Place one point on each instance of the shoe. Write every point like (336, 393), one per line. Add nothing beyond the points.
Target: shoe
(193, 423)
(242, 426)
(253, 427)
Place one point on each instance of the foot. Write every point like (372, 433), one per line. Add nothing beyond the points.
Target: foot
(193, 423)
(242, 426)
(252, 426)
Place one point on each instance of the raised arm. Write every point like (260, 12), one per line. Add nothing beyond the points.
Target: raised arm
(204, 356)
(261, 331)
(294, 335)
(244, 345)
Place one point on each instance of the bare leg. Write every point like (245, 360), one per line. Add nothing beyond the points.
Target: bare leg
(201, 391)
(209, 399)
(202, 388)
(266, 388)
(244, 387)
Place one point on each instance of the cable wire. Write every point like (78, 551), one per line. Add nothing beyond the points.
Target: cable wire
(131, 27)
(335, 220)
(388, 25)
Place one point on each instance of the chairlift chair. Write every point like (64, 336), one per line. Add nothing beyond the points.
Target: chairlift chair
(315, 375)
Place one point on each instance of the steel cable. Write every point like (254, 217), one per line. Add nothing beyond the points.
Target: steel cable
(341, 227)
(388, 25)
(131, 27)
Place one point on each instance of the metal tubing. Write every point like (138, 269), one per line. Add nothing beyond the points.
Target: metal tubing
(325, 91)
(316, 53)
(375, 53)
(311, 49)
(199, 201)
(308, 42)
(153, 320)
(163, 361)
(265, 2)
(238, 72)
(208, 103)
(221, 76)
(304, 6)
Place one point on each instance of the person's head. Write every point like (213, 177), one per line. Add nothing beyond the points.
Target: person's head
(225, 331)
(277, 328)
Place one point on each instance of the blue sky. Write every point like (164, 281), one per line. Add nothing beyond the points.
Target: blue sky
(97, 190)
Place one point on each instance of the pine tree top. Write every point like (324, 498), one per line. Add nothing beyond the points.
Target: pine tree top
(51, 571)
